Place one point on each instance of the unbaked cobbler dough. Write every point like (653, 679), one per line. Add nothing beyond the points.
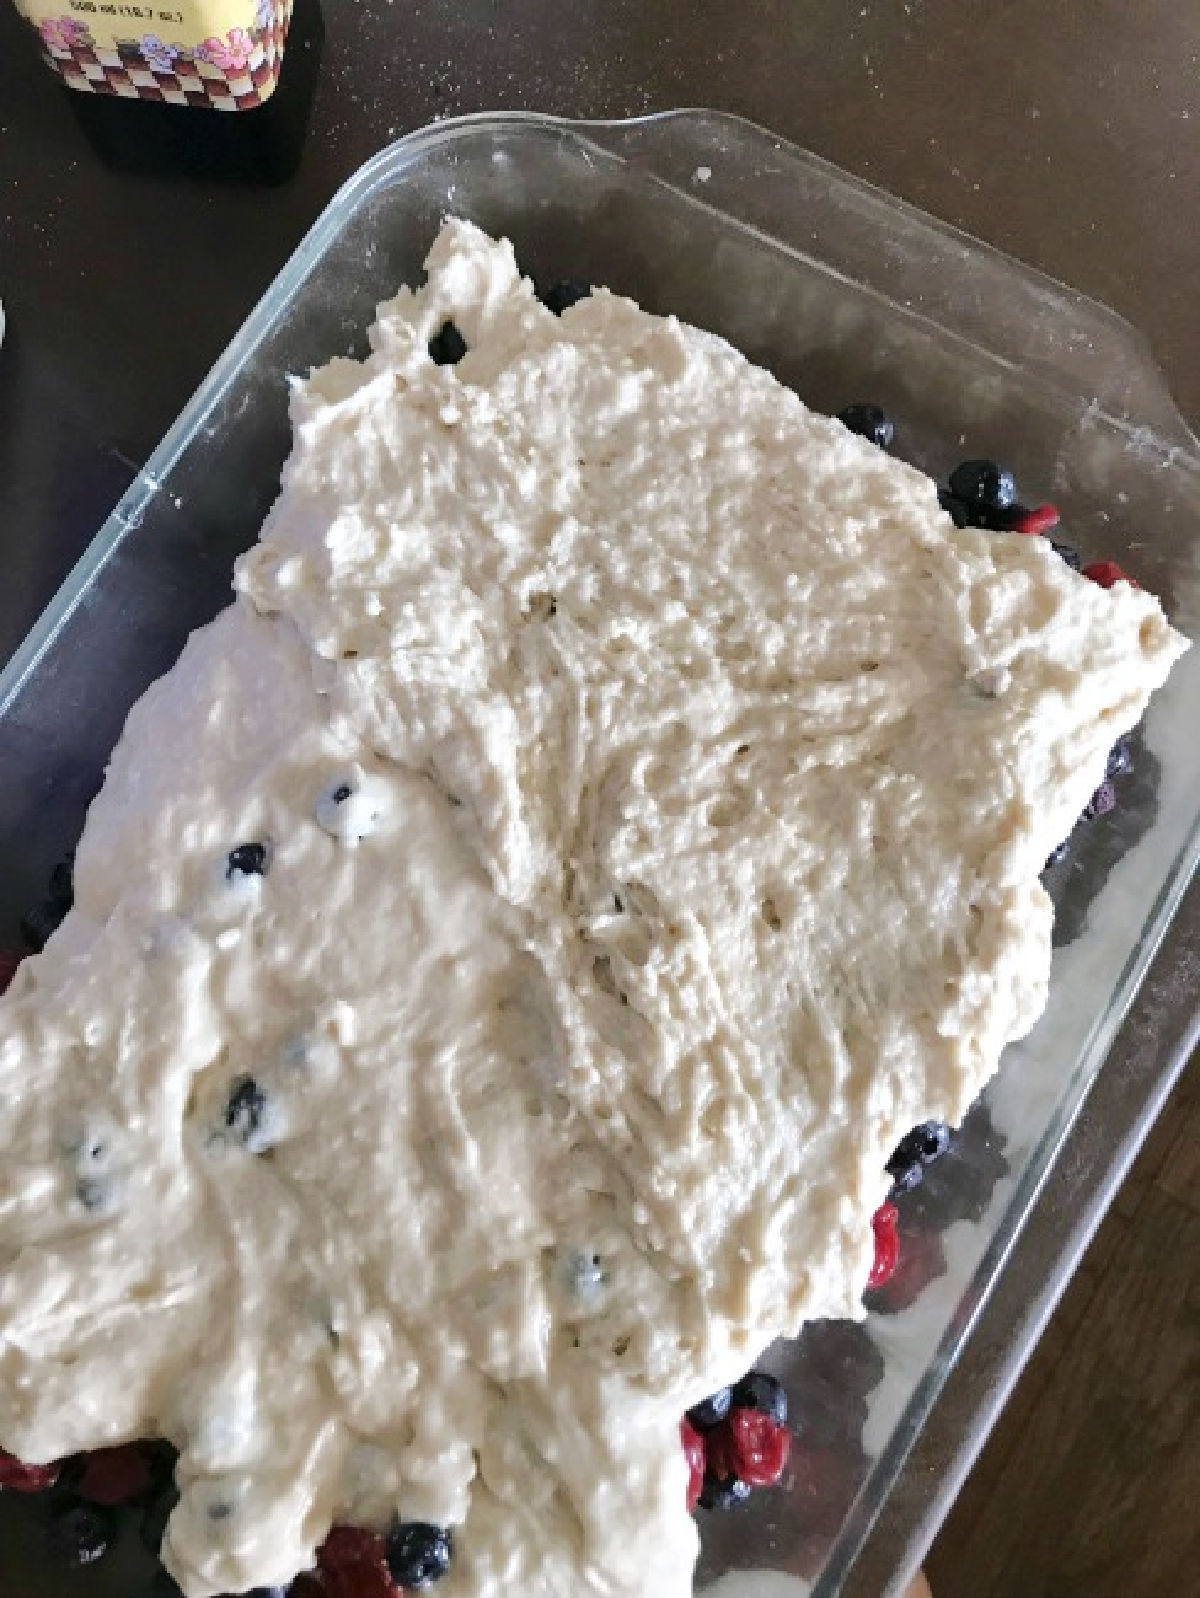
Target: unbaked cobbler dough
(652, 786)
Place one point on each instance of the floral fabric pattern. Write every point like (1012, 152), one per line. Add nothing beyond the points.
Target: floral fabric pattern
(65, 33)
(159, 55)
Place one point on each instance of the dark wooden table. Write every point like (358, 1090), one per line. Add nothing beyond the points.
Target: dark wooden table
(1068, 135)
(1088, 1486)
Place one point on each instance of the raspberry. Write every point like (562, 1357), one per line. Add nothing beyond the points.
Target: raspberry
(16, 1477)
(753, 1447)
(1107, 572)
(10, 959)
(758, 1390)
(115, 1475)
(1033, 523)
(887, 1245)
(696, 1454)
(354, 1564)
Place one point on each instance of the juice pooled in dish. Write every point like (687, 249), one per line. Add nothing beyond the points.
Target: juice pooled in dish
(510, 942)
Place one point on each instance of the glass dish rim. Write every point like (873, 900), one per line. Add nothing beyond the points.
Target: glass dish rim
(127, 512)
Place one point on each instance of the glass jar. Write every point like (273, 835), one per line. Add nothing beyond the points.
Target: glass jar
(216, 54)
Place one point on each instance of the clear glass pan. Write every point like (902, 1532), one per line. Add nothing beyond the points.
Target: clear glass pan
(844, 293)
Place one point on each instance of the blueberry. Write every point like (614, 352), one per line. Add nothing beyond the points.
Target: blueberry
(723, 1492)
(1102, 801)
(763, 1393)
(983, 484)
(935, 1140)
(418, 1554)
(904, 1178)
(247, 860)
(869, 422)
(95, 1193)
(957, 509)
(712, 1410)
(559, 297)
(81, 1533)
(246, 1110)
(39, 924)
(921, 1146)
(584, 1275)
(1067, 552)
(1120, 759)
(352, 810)
(62, 882)
(447, 346)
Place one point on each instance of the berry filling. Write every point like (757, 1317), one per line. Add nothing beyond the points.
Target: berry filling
(1067, 552)
(1034, 523)
(869, 422)
(559, 297)
(418, 1554)
(17, 1477)
(763, 1393)
(751, 1446)
(887, 1245)
(115, 1475)
(1120, 759)
(1107, 573)
(247, 860)
(696, 1454)
(712, 1410)
(915, 1150)
(725, 1492)
(1101, 803)
(447, 346)
(353, 1564)
(983, 485)
(246, 1113)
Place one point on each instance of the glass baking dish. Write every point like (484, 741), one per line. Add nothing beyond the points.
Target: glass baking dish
(844, 293)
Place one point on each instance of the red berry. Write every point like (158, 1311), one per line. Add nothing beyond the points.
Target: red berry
(9, 961)
(696, 1454)
(1107, 572)
(16, 1477)
(354, 1564)
(753, 1447)
(887, 1245)
(115, 1475)
(1033, 523)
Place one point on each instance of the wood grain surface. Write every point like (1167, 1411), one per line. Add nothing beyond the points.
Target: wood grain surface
(1089, 1487)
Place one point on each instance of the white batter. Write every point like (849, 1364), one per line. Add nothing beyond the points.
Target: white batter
(653, 787)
